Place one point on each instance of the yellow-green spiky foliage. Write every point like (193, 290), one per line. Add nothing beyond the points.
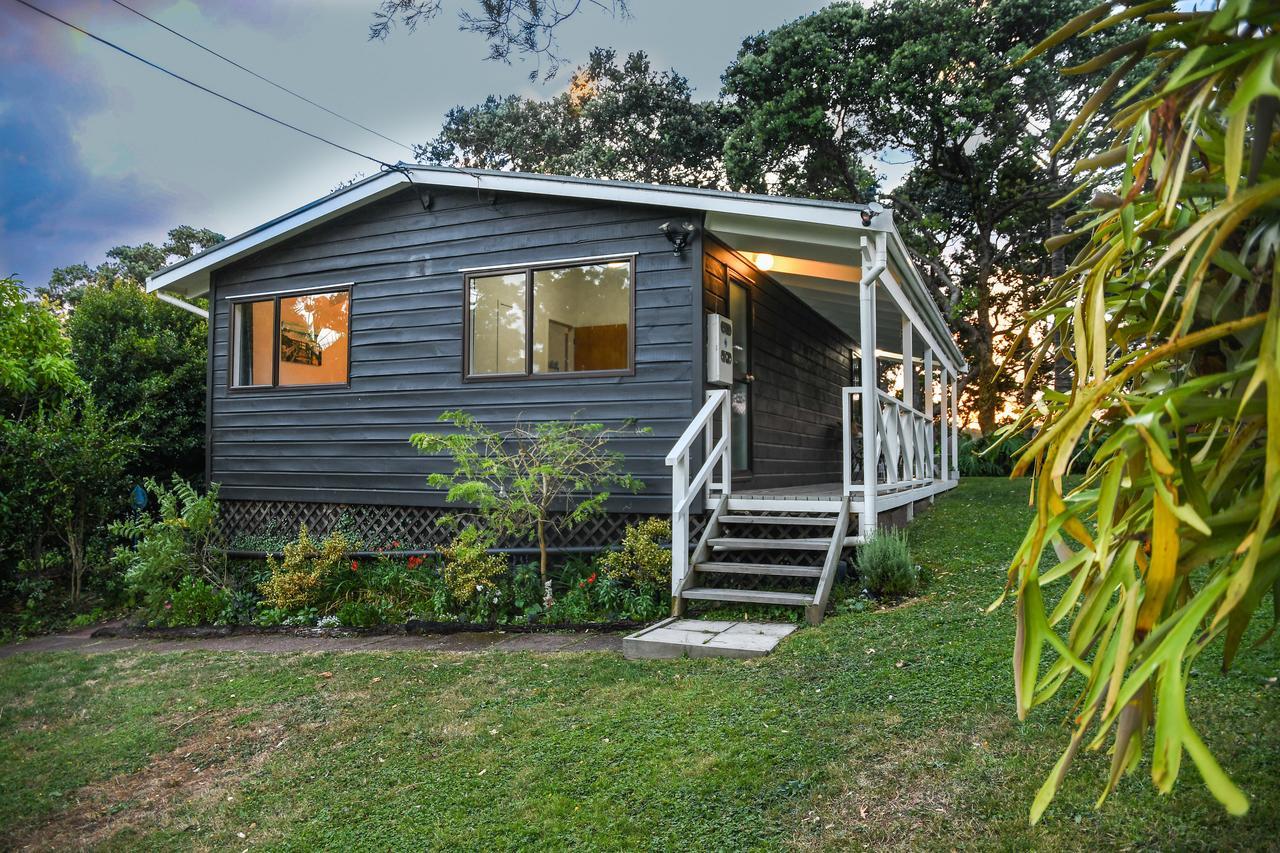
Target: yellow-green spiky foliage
(1170, 318)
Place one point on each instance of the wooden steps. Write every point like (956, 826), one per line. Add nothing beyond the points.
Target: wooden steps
(758, 526)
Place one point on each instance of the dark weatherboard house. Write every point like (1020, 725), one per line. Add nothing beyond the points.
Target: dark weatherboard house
(731, 325)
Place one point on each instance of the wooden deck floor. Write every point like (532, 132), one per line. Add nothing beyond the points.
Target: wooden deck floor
(815, 491)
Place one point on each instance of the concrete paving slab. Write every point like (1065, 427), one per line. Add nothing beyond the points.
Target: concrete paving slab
(673, 638)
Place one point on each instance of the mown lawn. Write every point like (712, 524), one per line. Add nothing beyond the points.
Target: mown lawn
(889, 728)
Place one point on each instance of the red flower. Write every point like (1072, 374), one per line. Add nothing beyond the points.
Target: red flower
(396, 543)
(414, 562)
(592, 579)
(355, 565)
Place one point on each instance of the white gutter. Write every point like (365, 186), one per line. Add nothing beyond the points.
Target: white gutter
(180, 303)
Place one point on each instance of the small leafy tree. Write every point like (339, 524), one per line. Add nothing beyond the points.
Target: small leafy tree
(36, 373)
(530, 480)
(145, 359)
(1170, 314)
(80, 456)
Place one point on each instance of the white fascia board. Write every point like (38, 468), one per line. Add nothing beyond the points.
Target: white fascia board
(655, 196)
(179, 276)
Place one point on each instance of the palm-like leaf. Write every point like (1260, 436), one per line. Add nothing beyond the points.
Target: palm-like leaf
(1170, 318)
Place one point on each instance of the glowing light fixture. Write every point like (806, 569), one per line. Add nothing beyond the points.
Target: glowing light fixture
(764, 262)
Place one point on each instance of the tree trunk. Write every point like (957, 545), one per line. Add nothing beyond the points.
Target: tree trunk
(75, 550)
(1058, 266)
(542, 551)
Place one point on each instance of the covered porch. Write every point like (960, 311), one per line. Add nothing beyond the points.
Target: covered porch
(898, 412)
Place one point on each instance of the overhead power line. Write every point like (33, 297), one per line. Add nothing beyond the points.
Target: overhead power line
(206, 89)
(261, 77)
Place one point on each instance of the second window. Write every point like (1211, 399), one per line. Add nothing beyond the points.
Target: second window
(550, 320)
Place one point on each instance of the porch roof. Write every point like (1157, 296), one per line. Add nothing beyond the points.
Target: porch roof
(817, 243)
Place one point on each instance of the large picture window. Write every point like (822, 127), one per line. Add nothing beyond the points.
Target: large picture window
(550, 320)
(292, 340)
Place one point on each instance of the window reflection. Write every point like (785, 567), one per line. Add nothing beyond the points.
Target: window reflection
(252, 340)
(581, 318)
(313, 338)
(562, 320)
(497, 307)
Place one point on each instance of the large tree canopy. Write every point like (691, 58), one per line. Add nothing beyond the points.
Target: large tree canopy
(817, 100)
(617, 120)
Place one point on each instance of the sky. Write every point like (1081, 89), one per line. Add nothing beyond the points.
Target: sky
(98, 150)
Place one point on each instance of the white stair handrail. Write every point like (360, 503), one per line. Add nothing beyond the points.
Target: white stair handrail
(684, 490)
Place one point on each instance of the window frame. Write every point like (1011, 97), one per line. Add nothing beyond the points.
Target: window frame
(528, 269)
(274, 297)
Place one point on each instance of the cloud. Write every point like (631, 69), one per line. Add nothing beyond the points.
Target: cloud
(53, 212)
(97, 149)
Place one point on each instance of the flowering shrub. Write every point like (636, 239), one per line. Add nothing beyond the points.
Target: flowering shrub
(468, 570)
(308, 567)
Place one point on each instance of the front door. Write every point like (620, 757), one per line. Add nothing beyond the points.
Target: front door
(740, 394)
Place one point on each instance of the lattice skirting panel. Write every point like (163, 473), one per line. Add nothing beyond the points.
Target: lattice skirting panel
(415, 527)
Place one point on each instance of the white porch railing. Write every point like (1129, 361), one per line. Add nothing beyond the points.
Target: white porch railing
(904, 445)
(684, 491)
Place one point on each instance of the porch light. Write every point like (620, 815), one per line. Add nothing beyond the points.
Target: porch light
(764, 262)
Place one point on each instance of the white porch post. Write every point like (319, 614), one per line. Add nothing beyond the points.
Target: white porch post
(929, 388)
(870, 397)
(955, 426)
(908, 364)
(908, 399)
(944, 429)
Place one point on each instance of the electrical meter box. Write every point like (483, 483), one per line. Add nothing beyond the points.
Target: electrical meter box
(719, 350)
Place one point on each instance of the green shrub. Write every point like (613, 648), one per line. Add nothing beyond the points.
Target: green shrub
(182, 541)
(367, 614)
(986, 455)
(196, 602)
(643, 559)
(885, 567)
(532, 479)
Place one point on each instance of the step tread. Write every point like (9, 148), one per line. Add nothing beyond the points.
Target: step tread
(759, 569)
(770, 544)
(748, 596)
(822, 521)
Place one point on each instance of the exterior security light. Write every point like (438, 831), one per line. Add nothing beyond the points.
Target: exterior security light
(764, 262)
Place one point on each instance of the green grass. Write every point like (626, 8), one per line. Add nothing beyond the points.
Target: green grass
(890, 728)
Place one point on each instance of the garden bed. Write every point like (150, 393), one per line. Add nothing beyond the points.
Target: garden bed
(414, 627)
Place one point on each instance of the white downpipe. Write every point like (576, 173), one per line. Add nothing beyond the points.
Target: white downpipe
(180, 303)
(870, 401)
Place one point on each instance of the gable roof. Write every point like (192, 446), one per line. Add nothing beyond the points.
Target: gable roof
(190, 277)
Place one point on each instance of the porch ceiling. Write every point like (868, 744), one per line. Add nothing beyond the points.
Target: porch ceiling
(819, 264)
